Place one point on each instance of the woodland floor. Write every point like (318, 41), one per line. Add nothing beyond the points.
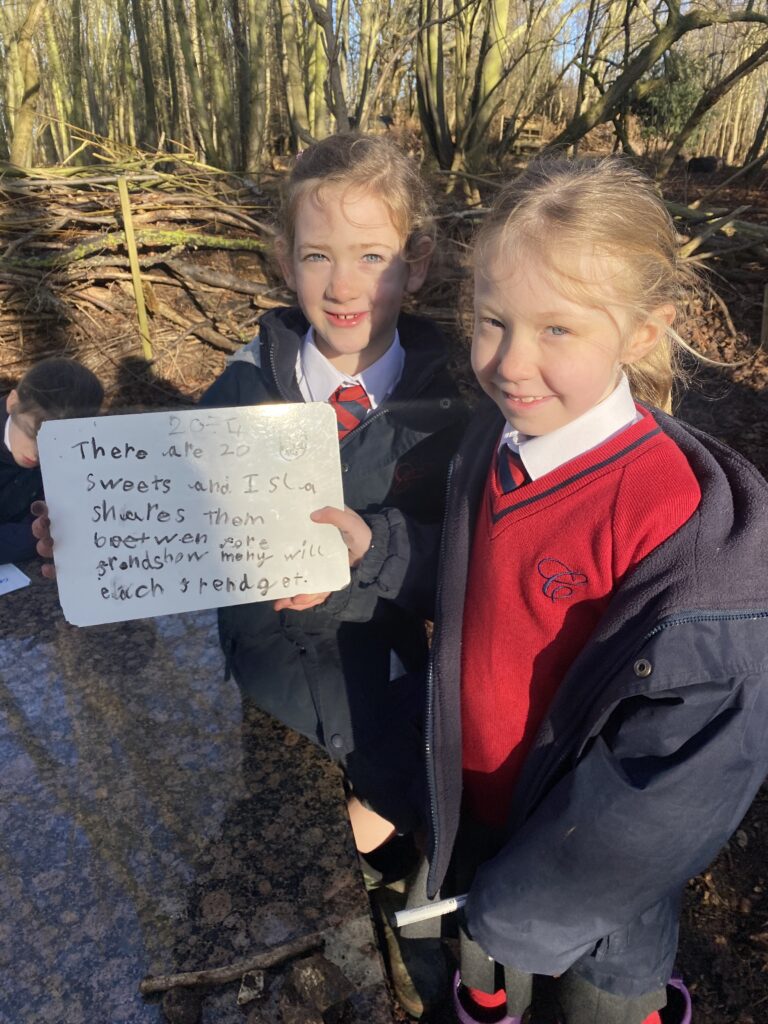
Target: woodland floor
(724, 936)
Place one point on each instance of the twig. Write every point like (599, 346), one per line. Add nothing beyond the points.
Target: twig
(223, 975)
(711, 229)
(724, 309)
(215, 278)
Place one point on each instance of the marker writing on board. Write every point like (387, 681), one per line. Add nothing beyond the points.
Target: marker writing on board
(429, 910)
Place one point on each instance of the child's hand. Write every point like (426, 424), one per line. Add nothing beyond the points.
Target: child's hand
(300, 602)
(354, 530)
(41, 528)
(355, 533)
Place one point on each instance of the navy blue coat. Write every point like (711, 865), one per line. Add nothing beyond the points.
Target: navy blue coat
(654, 746)
(19, 487)
(326, 678)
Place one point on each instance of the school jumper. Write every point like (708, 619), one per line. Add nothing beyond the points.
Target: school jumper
(651, 750)
(327, 679)
(19, 487)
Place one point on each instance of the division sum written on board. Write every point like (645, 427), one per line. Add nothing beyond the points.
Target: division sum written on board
(164, 512)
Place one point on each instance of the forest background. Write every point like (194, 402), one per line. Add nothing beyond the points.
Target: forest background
(143, 142)
(236, 83)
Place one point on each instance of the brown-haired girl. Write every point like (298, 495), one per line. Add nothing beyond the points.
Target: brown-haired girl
(52, 389)
(356, 239)
(598, 693)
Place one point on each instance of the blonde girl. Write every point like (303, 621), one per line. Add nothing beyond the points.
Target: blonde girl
(598, 691)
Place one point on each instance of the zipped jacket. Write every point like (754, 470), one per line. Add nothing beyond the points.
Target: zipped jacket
(326, 678)
(654, 746)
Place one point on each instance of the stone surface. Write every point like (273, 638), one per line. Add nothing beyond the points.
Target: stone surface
(145, 828)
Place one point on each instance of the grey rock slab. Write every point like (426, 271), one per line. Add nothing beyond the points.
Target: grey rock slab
(149, 826)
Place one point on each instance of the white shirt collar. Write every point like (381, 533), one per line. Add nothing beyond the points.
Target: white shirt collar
(7, 434)
(541, 455)
(318, 379)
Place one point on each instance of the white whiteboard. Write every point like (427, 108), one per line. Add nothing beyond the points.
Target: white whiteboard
(165, 512)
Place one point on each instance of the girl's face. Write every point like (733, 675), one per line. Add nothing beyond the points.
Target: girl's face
(350, 275)
(22, 434)
(542, 357)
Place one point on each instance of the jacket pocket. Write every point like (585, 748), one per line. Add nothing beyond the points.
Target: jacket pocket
(613, 944)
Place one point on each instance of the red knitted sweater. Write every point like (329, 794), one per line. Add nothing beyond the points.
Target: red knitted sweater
(545, 561)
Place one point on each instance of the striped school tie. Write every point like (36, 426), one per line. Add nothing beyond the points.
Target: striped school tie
(351, 404)
(511, 470)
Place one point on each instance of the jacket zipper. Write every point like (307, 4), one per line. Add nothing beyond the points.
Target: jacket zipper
(430, 695)
(278, 383)
(703, 617)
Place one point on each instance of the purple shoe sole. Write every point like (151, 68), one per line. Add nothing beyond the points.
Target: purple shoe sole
(679, 1004)
(464, 1017)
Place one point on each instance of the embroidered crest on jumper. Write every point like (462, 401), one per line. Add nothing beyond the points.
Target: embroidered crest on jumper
(559, 581)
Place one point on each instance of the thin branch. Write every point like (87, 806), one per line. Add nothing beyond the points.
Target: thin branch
(232, 972)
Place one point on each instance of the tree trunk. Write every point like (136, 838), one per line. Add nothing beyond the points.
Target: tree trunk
(149, 135)
(369, 31)
(59, 90)
(257, 85)
(487, 96)
(220, 93)
(172, 117)
(430, 79)
(195, 84)
(707, 101)
(329, 40)
(584, 64)
(293, 73)
(759, 140)
(76, 67)
(21, 145)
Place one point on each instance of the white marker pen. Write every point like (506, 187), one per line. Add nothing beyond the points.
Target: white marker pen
(429, 910)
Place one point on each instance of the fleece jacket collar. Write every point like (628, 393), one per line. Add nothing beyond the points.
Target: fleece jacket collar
(281, 332)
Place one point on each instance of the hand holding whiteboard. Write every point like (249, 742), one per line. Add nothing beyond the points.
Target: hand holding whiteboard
(164, 512)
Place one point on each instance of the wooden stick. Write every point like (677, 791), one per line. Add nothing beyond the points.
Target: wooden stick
(231, 972)
(133, 257)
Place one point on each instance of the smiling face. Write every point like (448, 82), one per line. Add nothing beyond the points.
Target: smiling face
(543, 357)
(350, 275)
(22, 433)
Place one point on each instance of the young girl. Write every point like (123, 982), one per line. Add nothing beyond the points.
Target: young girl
(597, 700)
(52, 389)
(357, 238)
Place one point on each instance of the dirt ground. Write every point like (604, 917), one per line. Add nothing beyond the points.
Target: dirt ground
(724, 936)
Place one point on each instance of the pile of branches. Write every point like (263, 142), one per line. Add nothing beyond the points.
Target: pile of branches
(136, 262)
(166, 265)
(737, 248)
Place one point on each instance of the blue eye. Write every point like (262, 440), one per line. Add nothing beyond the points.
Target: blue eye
(373, 257)
(313, 257)
(491, 321)
(558, 332)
